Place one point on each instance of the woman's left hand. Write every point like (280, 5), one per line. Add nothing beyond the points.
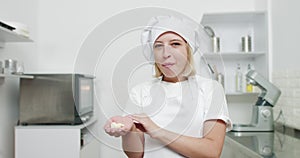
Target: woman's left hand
(145, 124)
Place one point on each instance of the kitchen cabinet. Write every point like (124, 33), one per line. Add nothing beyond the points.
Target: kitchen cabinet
(50, 141)
(230, 28)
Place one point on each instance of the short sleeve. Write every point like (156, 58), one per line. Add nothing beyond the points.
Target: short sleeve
(216, 105)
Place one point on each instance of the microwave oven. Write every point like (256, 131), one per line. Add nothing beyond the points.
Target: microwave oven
(56, 99)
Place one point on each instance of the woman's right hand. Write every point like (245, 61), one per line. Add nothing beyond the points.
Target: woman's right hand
(125, 122)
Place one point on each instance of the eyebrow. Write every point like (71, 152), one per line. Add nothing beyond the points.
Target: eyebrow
(170, 40)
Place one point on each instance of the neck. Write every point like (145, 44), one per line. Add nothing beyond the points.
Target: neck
(174, 79)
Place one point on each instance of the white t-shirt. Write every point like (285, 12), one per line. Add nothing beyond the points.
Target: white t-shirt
(180, 107)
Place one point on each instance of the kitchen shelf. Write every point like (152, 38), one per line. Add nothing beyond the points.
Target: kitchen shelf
(10, 36)
(230, 27)
(242, 93)
(15, 76)
(234, 55)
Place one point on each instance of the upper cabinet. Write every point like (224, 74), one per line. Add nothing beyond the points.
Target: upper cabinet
(231, 28)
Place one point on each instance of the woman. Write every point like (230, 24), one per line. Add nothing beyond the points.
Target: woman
(184, 115)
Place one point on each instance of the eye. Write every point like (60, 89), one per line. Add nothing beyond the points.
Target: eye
(158, 45)
(176, 44)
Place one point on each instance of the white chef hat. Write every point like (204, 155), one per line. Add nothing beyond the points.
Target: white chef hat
(191, 31)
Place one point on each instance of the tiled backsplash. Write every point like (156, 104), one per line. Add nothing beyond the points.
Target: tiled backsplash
(289, 102)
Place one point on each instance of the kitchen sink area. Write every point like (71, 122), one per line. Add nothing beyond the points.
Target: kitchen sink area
(283, 142)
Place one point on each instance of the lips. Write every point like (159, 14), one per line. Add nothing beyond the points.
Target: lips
(167, 65)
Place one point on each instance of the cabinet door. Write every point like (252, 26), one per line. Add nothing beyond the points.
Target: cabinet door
(91, 150)
(47, 143)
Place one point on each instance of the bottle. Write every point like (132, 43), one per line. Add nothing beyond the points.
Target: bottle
(249, 86)
(220, 79)
(219, 76)
(239, 79)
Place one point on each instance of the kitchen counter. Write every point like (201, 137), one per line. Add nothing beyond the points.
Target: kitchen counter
(260, 145)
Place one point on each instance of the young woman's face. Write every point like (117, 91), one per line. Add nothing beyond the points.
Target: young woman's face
(170, 53)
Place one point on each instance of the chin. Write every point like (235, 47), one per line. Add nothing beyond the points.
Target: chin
(170, 75)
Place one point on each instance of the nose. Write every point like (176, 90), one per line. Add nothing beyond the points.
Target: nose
(167, 51)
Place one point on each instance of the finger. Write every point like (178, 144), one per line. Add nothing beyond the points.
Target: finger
(110, 132)
(138, 115)
(107, 130)
(135, 118)
(123, 133)
(128, 116)
(113, 132)
(117, 135)
(138, 122)
(106, 126)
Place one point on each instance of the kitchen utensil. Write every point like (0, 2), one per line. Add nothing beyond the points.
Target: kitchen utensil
(209, 31)
(246, 44)
(214, 39)
(20, 68)
(1, 67)
(10, 66)
(215, 44)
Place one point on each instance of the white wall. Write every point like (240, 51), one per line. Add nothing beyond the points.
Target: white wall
(63, 25)
(286, 55)
(59, 28)
(23, 12)
(286, 32)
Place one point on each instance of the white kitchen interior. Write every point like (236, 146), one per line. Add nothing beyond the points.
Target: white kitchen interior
(60, 31)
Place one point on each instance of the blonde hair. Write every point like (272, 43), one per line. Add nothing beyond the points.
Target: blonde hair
(189, 69)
